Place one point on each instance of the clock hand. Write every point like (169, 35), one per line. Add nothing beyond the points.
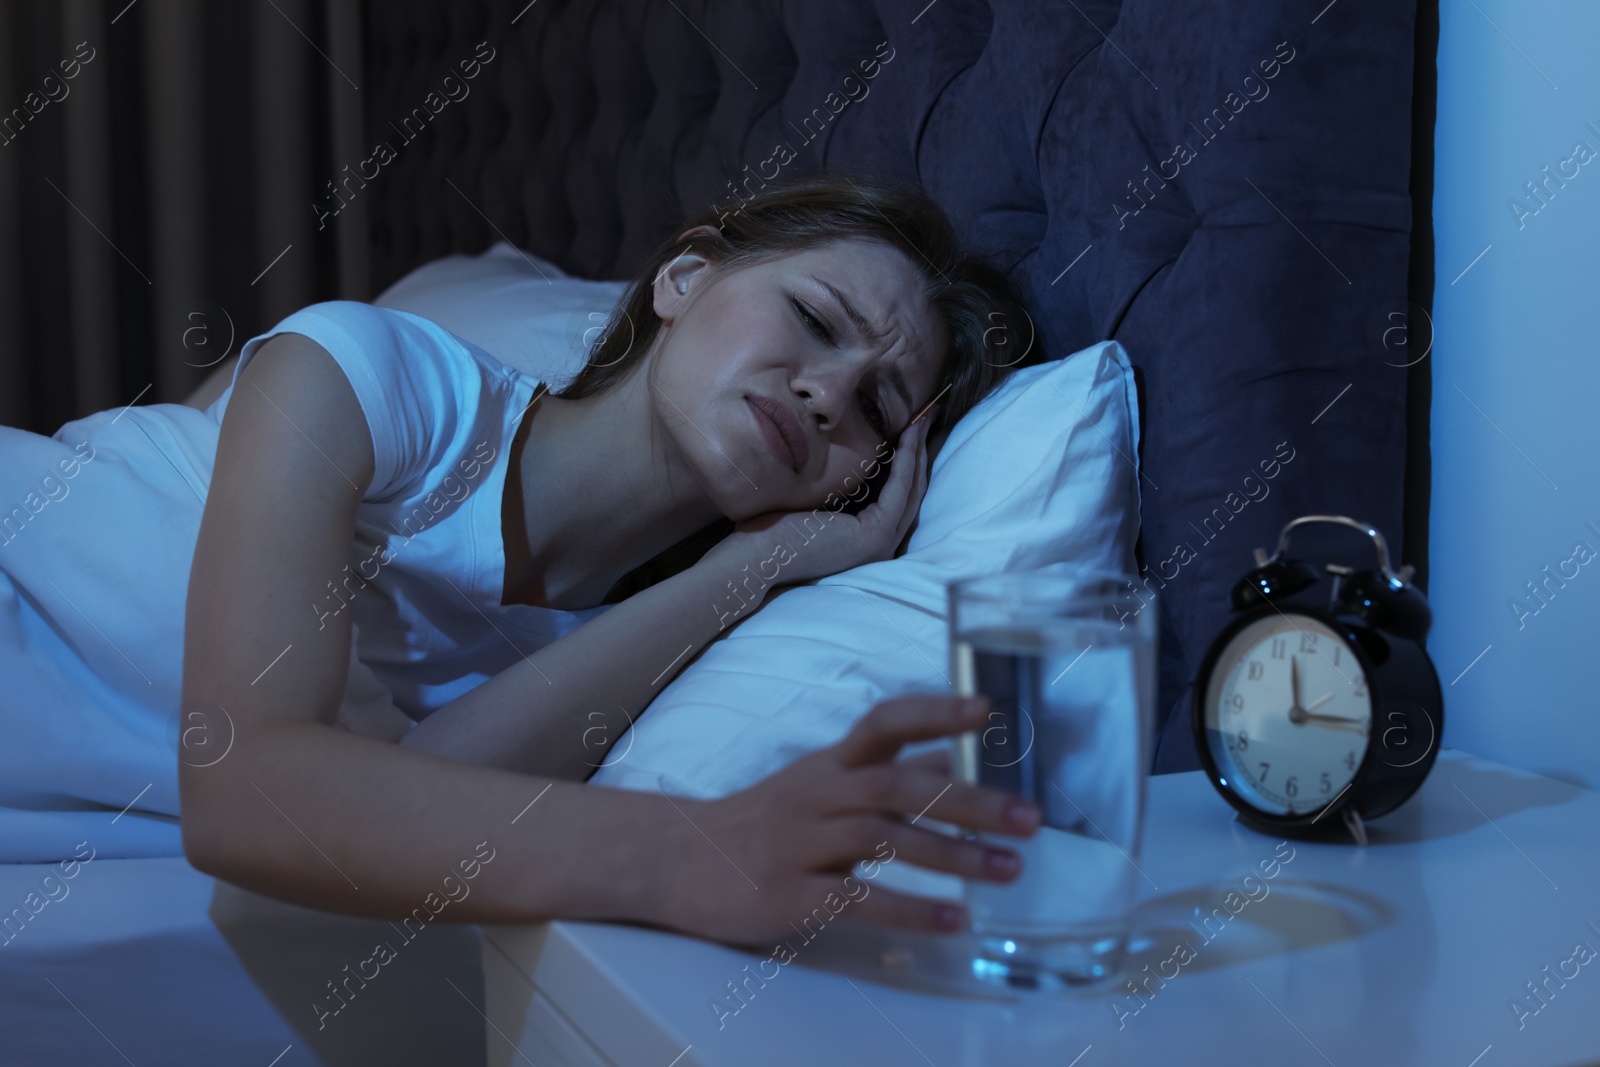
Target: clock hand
(1302, 715)
(1297, 714)
(1306, 716)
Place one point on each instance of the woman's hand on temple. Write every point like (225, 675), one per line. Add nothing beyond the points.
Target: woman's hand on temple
(845, 540)
(751, 864)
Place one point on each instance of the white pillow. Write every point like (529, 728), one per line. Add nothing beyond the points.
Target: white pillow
(520, 309)
(1042, 470)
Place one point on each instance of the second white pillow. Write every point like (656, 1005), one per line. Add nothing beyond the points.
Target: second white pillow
(515, 306)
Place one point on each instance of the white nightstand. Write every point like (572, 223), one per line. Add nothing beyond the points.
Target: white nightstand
(1411, 950)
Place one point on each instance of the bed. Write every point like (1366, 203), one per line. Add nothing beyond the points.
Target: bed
(1227, 193)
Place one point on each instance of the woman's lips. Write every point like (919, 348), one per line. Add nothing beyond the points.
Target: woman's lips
(790, 448)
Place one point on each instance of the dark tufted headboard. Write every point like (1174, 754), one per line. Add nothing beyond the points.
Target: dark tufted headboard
(1221, 185)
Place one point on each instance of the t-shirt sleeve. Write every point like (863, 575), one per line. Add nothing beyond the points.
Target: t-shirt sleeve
(405, 376)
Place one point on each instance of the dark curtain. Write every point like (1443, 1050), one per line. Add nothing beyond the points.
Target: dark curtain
(159, 165)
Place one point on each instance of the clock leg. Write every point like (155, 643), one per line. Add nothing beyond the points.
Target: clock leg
(1357, 828)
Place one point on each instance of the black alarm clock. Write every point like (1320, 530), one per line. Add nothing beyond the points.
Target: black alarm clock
(1318, 707)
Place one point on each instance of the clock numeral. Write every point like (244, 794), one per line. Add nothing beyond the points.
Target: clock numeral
(1308, 641)
(1278, 648)
(1336, 653)
(1237, 702)
(1256, 671)
(1263, 776)
(1350, 760)
(1327, 783)
(1244, 742)
(1291, 787)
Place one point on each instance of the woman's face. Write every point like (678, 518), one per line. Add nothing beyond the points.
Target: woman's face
(769, 386)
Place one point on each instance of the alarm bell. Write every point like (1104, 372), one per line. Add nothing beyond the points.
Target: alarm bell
(1381, 598)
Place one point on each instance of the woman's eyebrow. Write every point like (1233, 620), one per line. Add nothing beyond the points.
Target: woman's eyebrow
(865, 330)
(858, 320)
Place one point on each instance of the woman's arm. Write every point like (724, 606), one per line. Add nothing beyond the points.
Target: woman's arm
(297, 809)
(560, 709)
(557, 711)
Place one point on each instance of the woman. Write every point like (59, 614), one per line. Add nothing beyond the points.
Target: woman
(751, 369)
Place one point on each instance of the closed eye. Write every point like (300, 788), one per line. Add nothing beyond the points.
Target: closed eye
(812, 322)
(870, 408)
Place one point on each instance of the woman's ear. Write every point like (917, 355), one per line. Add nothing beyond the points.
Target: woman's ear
(675, 282)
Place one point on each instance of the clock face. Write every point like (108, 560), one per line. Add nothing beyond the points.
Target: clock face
(1288, 714)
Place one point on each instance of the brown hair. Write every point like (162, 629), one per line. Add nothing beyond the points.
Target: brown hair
(976, 304)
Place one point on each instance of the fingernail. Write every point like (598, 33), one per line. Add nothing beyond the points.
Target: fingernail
(1022, 814)
(948, 917)
(1000, 863)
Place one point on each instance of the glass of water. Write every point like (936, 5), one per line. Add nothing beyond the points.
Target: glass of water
(1066, 656)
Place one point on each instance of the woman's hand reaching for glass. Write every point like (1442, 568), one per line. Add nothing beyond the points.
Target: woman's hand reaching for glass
(844, 540)
(747, 866)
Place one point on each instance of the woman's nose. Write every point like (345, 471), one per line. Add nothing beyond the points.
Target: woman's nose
(827, 390)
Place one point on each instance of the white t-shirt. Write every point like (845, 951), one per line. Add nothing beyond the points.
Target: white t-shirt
(97, 536)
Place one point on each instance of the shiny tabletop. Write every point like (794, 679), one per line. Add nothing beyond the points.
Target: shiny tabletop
(1464, 934)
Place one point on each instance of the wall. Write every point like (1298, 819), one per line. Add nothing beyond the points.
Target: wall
(1515, 530)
